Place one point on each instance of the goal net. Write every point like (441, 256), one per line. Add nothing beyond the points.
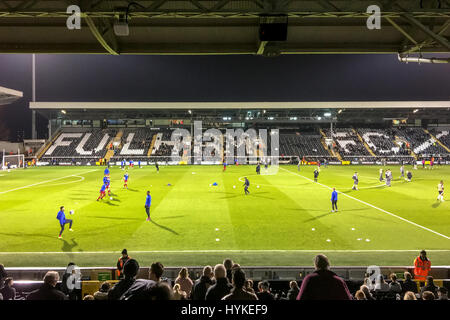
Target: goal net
(13, 161)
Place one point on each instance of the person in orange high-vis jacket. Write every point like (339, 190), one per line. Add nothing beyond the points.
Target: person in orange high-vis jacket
(124, 258)
(422, 266)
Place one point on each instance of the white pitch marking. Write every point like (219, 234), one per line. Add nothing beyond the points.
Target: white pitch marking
(42, 182)
(370, 205)
(215, 251)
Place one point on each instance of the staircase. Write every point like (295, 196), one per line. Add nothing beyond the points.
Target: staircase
(330, 151)
(45, 148)
(364, 143)
(437, 140)
(110, 153)
(149, 152)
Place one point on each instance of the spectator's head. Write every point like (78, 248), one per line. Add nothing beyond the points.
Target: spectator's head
(393, 277)
(176, 287)
(321, 262)
(263, 286)
(9, 282)
(443, 293)
(427, 295)
(220, 271)
(238, 278)
(293, 284)
(430, 281)
(88, 297)
(51, 278)
(407, 275)
(423, 254)
(228, 263)
(235, 266)
(207, 272)
(161, 291)
(365, 289)
(105, 287)
(183, 274)
(131, 268)
(124, 253)
(360, 295)
(248, 284)
(156, 271)
(409, 295)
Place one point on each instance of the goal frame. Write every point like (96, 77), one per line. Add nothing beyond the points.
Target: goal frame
(19, 157)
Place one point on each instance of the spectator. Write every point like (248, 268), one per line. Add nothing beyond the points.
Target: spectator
(228, 263)
(88, 297)
(430, 286)
(202, 284)
(409, 284)
(238, 292)
(130, 271)
(359, 295)
(222, 287)
(48, 291)
(8, 292)
(264, 292)
(427, 295)
(293, 291)
(366, 291)
(178, 294)
(121, 262)
(184, 281)
(161, 291)
(409, 295)
(249, 286)
(156, 271)
(102, 293)
(442, 293)
(3, 275)
(394, 286)
(381, 285)
(422, 266)
(323, 284)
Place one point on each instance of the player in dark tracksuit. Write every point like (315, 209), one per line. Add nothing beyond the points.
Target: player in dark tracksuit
(246, 185)
(258, 169)
(157, 166)
(148, 203)
(334, 199)
(316, 175)
(63, 221)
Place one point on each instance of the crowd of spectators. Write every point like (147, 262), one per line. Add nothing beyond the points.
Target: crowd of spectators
(228, 281)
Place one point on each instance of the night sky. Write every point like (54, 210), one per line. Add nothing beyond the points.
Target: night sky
(215, 78)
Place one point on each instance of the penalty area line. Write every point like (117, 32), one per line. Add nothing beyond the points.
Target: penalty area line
(371, 205)
(46, 181)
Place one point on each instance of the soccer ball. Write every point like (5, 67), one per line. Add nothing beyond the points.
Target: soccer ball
(257, 187)
(110, 198)
(72, 212)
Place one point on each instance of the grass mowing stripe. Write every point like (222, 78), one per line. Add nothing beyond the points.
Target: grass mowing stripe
(42, 182)
(370, 205)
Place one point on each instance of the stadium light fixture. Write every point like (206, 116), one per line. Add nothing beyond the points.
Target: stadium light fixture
(327, 114)
(63, 111)
(189, 111)
(340, 111)
(319, 118)
(416, 110)
(270, 118)
(293, 118)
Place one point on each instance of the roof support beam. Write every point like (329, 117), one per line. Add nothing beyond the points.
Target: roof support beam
(110, 46)
(402, 31)
(438, 38)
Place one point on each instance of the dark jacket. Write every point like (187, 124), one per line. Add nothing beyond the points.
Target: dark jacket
(200, 287)
(138, 290)
(432, 288)
(323, 285)
(120, 288)
(292, 293)
(46, 292)
(8, 293)
(219, 290)
(265, 296)
(240, 294)
(409, 285)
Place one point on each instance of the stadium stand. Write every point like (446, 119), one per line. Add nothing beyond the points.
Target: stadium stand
(307, 145)
(420, 141)
(382, 142)
(347, 143)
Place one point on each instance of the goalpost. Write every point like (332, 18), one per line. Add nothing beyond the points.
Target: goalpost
(13, 161)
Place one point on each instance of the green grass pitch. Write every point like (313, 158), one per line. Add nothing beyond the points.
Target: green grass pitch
(286, 221)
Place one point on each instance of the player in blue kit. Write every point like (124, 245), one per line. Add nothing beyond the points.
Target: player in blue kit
(334, 199)
(125, 180)
(246, 185)
(106, 172)
(63, 221)
(107, 183)
(102, 192)
(148, 203)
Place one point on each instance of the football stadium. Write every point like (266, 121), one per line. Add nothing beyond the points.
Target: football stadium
(224, 150)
